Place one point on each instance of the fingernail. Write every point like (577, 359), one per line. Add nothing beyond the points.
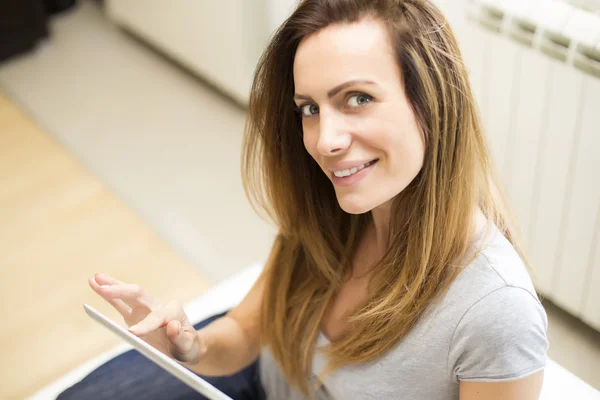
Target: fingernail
(133, 328)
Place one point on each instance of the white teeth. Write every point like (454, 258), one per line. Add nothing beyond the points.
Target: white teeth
(348, 172)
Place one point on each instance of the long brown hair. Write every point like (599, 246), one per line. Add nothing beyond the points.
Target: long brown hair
(429, 238)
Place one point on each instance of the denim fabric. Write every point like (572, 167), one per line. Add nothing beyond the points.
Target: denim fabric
(132, 376)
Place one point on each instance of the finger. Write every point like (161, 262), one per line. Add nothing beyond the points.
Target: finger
(131, 293)
(106, 280)
(97, 288)
(153, 321)
(182, 339)
(98, 284)
(118, 304)
(121, 307)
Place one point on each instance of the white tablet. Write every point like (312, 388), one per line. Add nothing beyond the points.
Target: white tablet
(170, 365)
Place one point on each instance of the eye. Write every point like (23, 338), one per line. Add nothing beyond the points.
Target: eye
(359, 99)
(308, 110)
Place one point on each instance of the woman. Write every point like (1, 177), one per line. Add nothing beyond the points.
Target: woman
(397, 271)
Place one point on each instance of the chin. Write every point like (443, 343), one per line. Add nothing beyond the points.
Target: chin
(355, 206)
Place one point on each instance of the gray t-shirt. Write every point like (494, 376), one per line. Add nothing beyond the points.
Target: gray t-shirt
(490, 326)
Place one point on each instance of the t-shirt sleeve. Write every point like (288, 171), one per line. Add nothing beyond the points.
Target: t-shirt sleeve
(502, 337)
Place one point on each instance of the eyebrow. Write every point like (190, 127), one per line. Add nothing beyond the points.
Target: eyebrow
(337, 89)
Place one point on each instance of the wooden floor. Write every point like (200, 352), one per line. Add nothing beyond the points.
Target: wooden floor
(59, 225)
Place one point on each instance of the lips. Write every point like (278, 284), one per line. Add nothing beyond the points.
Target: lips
(354, 175)
(351, 171)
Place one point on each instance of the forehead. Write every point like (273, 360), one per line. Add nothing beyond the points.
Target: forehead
(342, 52)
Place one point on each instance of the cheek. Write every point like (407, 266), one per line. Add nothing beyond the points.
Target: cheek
(409, 153)
(402, 143)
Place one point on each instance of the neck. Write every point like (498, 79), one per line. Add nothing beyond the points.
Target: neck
(380, 228)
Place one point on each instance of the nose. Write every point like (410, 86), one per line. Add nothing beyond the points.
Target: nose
(334, 137)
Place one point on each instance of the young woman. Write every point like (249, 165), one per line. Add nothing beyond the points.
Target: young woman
(398, 272)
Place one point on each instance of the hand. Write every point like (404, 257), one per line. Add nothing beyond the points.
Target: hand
(166, 328)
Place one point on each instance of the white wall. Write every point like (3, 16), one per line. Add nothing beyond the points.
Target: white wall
(278, 11)
(219, 40)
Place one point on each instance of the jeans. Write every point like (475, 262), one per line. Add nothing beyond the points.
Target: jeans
(132, 376)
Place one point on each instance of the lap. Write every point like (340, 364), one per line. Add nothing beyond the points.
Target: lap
(131, 375)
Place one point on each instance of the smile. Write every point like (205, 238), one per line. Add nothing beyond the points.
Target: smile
(348, 172)
(349, 177)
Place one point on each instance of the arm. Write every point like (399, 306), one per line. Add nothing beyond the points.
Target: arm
(232, 342)
(499, 347)
(527, 388)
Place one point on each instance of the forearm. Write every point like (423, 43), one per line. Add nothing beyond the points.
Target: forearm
(227, 349)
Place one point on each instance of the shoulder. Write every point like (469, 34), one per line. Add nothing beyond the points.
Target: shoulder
(497, 265)
(500, 337)
(500, 325)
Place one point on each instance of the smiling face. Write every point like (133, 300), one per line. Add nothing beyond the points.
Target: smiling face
(357, 122)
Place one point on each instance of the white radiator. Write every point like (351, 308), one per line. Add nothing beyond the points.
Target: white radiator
(535, 68)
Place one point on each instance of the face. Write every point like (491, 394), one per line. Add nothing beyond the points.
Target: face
(356, 119)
